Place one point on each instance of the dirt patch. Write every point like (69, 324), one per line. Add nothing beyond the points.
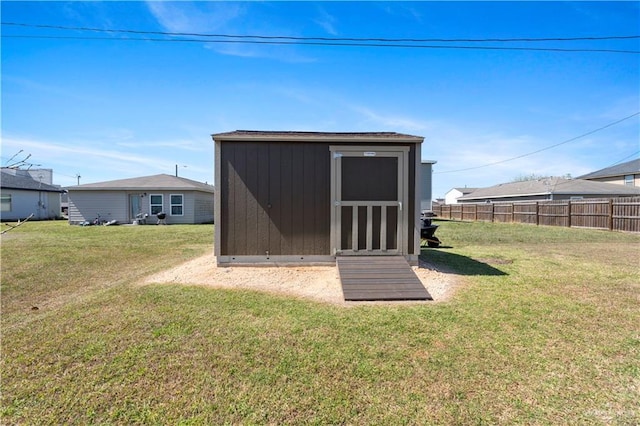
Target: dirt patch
(319, 283)
(494, 261)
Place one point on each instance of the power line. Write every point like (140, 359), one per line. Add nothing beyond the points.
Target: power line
(324, 41)
(411, 46)
(343, 39)
(543, 149)
(620, 161)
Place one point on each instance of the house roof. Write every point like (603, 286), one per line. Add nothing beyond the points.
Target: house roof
(559, 186)
(162, 182)
(629, 168)
(12, 181)
(303, 136)
(465, 190)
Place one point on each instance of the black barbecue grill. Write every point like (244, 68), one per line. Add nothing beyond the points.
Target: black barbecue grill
(427, 231)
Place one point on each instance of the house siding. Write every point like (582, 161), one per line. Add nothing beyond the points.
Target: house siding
(43, 205)
(197, 207)
(87, 205)
(115, 205)
(202, 207)
(618, 180)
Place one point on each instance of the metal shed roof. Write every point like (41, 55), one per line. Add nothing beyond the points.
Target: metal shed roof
(305, 136)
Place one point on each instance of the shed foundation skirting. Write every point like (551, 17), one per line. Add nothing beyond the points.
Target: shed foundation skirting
(288, 260)
(301, 260)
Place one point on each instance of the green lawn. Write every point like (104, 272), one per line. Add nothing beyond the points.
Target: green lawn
(544, 330)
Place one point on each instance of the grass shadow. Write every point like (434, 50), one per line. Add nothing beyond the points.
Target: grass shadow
(452, 263)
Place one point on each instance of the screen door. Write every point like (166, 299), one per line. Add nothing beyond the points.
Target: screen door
(368, 192)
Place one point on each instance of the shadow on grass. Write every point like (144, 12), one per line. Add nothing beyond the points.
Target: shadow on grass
(447, 262)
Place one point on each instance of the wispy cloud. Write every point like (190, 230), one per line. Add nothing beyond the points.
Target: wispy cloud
(195, 17)
(224, 18)
(371, 118)
(48, 89)
(96, 162)
(326, 21)
(79, 152)
(182, 144)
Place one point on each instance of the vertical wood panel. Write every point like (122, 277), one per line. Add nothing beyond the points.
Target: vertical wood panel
(297, 204)
(231, 237)
(274, 199)
(322, 205)
(262, 238)
(222, 220)
(309, 211)
(413, 198)
(240, 199)
(286, 198)
(253, 206)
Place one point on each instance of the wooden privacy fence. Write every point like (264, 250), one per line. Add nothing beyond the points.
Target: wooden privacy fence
(614, 214)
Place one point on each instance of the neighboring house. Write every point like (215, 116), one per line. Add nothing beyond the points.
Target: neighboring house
(621, 174)
(452, 196)
(548, 189)
(308, 197)
(22, 195)
(125, 200)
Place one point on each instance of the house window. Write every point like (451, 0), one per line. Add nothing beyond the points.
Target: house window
(155, 203)
(5, 201)
(177, 204)
(628, 180)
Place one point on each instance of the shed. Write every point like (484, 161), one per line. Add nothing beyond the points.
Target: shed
(184, 201)
(308, 197)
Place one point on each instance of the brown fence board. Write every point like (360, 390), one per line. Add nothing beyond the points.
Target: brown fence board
(616, 214)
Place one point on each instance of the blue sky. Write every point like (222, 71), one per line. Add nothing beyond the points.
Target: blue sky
(115, 107)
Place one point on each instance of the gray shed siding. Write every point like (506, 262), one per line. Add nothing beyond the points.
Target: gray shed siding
(43, 205)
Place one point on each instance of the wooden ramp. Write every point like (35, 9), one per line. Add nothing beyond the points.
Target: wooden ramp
(379, 278)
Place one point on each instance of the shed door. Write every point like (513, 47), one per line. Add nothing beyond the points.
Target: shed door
(369, 193)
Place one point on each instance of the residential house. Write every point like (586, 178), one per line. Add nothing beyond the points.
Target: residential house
(621, 174)
(140, 200)
(22, 196)
(552, 188)
(452, 196)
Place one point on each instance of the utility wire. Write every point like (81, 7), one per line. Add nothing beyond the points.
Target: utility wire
(343, 39)
(543, 149)
(411, 46)
(620, 161)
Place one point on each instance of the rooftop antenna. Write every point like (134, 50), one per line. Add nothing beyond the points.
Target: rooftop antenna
(14, 156)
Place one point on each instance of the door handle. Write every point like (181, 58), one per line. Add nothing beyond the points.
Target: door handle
(400, 205)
